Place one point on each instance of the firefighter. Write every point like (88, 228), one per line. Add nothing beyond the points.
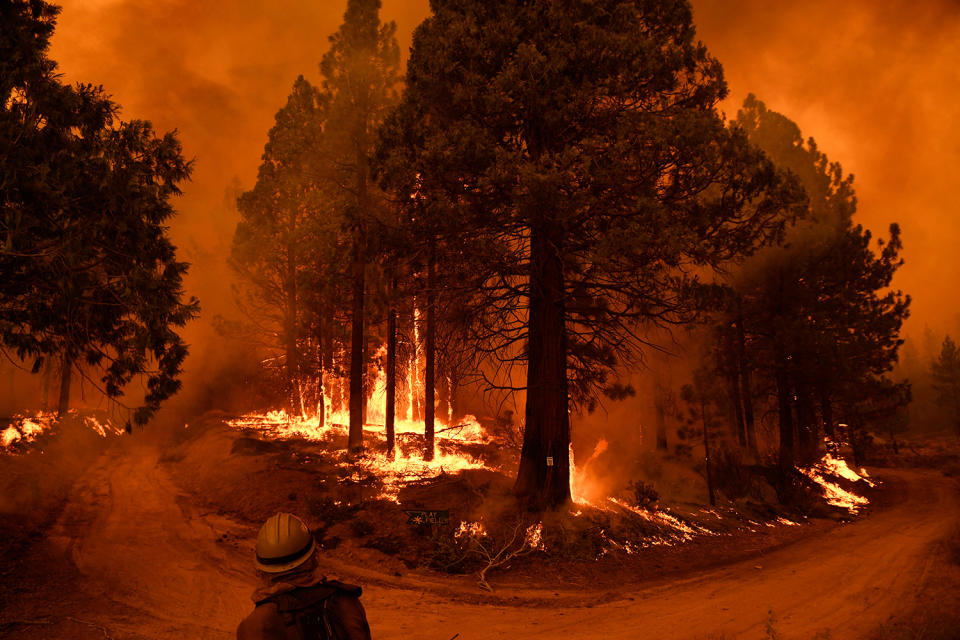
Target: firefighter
(294, 600)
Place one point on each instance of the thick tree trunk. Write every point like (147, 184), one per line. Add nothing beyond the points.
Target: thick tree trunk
(66, 373)
(391, 382)
(543, 480)
(355, 439)
(429, 377)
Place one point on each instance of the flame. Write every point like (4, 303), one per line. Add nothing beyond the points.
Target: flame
(534, 537)
(839, 467)
(25, 429)
(470, 530)
(834, 493)
(580, 485)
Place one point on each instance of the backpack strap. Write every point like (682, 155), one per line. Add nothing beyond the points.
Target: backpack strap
(308, 608)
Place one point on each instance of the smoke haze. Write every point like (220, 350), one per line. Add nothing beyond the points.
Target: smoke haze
(874, 83)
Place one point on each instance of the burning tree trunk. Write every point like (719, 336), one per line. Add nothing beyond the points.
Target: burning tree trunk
(391, 381)
(355, 439)
(429, 381)
(66, 372)
(543, 479)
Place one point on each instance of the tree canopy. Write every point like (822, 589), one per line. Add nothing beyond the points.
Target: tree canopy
(581, 142)
(89, 274)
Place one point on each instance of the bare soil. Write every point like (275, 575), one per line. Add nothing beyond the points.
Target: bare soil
(154, 541)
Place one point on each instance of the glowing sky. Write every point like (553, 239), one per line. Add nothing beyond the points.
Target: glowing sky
(875, 83)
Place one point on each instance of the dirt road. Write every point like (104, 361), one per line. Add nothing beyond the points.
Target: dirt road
(153, 566)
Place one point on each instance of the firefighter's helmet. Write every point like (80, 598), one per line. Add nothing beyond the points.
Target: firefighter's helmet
(284, 543)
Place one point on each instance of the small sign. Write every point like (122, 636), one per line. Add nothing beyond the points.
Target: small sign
(419, 517)
(549, 461)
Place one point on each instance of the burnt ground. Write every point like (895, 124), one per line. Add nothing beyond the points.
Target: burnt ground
(153, 540)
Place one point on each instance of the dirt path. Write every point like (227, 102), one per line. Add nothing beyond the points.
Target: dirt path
(158, 568)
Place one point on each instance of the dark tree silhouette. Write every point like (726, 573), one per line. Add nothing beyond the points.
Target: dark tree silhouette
(579, 142)
(281, 231)
(814, 321)
(945, 372)
(360, 76)
(87, 272)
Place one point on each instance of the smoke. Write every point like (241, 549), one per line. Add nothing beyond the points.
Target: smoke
(874, 83)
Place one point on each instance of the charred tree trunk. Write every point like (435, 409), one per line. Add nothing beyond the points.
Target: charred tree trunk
(66, 373)
(355, 439)
(746, 388)
(429, 377)
(543, 479)
(391, 382)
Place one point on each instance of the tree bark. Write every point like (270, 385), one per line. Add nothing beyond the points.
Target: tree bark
(391, 375)
(66, 373)
(355, 438)
(429, 377)
(543, 479)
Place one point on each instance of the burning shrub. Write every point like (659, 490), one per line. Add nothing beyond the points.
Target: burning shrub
(644, 495)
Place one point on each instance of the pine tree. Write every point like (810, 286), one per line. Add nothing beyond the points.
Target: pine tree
(360, 76)
(579, 145)
(819, 320)
(88, 274)
(945, 372)
(281, 233)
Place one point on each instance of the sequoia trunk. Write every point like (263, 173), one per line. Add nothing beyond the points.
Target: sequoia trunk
(543, 479)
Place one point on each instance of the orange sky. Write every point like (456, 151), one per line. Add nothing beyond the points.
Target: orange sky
(875, 83)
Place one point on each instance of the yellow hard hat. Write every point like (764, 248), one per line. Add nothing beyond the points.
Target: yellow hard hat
(284, 543)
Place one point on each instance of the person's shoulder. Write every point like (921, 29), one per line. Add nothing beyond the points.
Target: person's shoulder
(262, 620)
(343, 587)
